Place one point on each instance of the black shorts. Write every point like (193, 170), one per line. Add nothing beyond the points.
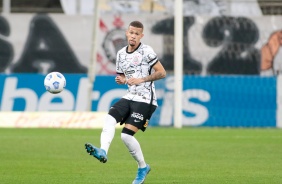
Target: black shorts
(137, 114)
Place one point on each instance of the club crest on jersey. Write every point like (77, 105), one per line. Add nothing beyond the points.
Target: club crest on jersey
(136, 60)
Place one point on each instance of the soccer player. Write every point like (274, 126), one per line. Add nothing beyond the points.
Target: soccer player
(137, 65)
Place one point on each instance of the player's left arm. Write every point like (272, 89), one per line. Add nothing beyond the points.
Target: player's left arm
(158, 74)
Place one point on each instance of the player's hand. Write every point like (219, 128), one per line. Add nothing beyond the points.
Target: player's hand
(120, 79)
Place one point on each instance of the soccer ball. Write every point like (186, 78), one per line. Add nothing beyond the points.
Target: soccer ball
(55, 82)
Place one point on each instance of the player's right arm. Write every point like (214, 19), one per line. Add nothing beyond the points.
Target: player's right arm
(120, 79)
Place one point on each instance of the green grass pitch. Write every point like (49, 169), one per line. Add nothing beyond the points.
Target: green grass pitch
(188, 155)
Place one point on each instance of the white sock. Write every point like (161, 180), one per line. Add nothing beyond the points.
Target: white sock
(108, 132)
(134, 149)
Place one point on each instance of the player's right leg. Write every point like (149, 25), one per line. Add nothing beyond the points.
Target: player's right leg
(107, 136)
(108, 132)
(116, 114)
(98, 153)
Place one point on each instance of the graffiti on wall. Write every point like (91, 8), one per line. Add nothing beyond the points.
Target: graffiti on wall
(113, 41)
(236, 37)
(45, 50)
(211, 45)
(6, 48)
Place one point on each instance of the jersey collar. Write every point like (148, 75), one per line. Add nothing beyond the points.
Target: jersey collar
(134, 50)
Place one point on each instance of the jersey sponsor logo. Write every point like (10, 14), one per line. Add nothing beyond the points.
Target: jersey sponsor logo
(137, 115)
(129, 72)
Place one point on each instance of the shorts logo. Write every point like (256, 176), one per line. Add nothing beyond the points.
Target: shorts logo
(146, 124)
(137, 115)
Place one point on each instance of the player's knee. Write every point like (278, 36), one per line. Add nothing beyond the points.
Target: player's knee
(123, 137)
(125, 133)
(114, 113)
(109, 121)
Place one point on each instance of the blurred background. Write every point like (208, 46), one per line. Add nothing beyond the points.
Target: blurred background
(232, 60)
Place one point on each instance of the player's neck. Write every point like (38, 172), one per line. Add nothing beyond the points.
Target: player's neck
(132, 48)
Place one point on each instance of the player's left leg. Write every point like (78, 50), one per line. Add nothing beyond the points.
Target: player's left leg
(134, 149)
(133, 146)
(141, 175)
(137, 120)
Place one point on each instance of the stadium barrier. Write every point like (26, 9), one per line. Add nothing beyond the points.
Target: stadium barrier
(52, 119)
(279, 102)
(216, 101)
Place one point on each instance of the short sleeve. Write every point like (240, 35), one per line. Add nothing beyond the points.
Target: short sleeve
(118, 68)
(151, 56)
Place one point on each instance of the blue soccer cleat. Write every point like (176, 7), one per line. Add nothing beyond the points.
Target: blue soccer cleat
(141, 175)
(98, 153)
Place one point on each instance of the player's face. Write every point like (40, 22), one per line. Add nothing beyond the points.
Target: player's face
(134, 36)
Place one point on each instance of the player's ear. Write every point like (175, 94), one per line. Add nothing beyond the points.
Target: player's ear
(142, 35)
